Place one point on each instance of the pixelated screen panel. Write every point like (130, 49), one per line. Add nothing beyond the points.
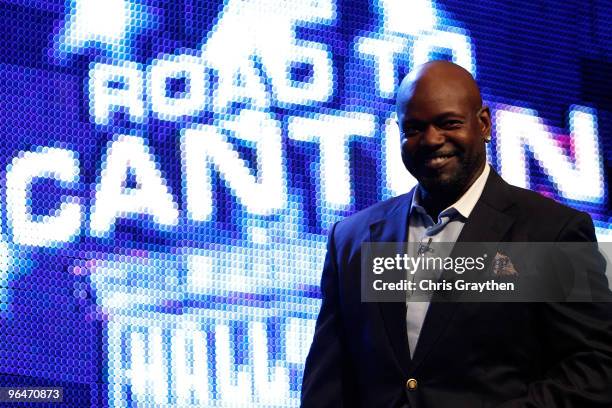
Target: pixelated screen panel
(170, 171)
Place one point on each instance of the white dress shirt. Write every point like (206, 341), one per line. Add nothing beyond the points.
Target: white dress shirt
(422, 228)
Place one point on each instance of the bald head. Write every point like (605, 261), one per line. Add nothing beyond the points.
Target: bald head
(443, 76)
(443, 128)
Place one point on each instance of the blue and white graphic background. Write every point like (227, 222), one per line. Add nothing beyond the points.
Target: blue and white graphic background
(170, 170)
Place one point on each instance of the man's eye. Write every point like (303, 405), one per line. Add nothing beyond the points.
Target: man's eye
(410, 131)
(451, 124)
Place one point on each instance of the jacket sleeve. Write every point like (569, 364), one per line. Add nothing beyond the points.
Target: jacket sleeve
(578, 337)
(325, 374)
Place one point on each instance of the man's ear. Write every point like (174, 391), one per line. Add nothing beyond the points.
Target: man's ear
(395, 119)
(404, 152)
(484, 119)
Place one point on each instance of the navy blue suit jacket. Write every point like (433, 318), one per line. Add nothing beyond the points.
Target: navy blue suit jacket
(510, 355)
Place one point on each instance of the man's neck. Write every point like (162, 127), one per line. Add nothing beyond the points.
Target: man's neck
(435, 202)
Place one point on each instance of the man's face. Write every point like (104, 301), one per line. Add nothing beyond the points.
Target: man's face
(442, 134)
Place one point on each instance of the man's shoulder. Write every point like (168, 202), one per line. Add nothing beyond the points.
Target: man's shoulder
(374, 213)
(526, 203)
(534, 204)
(545, 219)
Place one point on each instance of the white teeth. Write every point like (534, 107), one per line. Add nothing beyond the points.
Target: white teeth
(438, 159)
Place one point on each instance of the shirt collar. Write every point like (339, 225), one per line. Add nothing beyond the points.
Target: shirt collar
(464, 205)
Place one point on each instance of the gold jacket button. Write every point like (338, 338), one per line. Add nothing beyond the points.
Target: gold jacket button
(411, 384)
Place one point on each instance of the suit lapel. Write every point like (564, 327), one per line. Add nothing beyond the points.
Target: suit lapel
(394, 228)
(487, 223)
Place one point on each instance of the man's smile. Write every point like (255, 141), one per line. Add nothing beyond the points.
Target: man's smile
(434, 162)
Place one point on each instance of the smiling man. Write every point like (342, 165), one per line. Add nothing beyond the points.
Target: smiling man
(444, 128)
(439, 355)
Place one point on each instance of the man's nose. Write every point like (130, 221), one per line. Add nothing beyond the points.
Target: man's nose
(432, 136)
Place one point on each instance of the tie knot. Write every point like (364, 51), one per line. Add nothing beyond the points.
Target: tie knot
(444, 218)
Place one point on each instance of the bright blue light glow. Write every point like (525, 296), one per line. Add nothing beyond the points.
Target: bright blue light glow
(170, 173)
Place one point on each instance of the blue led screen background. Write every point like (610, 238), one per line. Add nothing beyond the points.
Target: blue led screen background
(169, 171)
